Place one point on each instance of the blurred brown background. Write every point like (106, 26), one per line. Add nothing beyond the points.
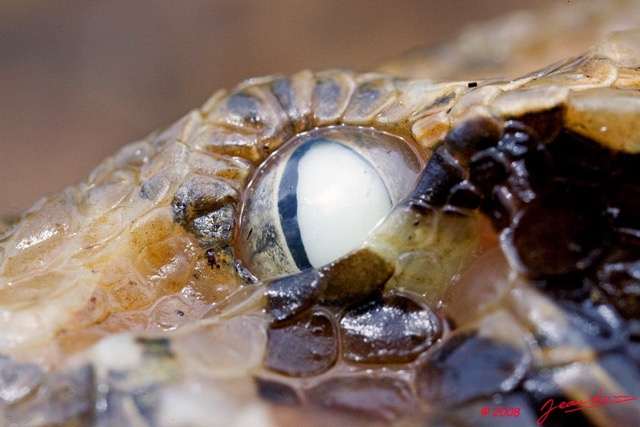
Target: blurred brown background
(79, 79)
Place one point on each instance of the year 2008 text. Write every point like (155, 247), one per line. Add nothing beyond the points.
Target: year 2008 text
(500, 412)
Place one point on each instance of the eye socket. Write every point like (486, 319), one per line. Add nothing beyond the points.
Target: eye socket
(318, 196)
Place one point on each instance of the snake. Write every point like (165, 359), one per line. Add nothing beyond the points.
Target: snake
(337, 247)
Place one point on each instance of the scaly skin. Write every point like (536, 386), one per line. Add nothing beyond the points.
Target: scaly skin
(120, 307)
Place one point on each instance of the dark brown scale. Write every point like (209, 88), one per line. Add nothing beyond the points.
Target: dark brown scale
(276, 392)
(464, 195)
(624, 191)
(579, 160)
(382, 398)
(291, 295)
(633, 346)
(561, 232)
(439, 176)
(519, 182)
(544, 125)
(571, 287)
(357, 276)
(307, 346)
(499, 207)
(392, 329)
(539, 166)
(472, 136)
(516, 141)
(487, 169)
(490, 367)
(619, 278)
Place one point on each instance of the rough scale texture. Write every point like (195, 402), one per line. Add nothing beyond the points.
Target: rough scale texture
(430, 320)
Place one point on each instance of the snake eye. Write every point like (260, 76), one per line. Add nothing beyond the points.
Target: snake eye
(319, 195)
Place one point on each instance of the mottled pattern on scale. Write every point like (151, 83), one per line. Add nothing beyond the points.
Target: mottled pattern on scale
(145, 245)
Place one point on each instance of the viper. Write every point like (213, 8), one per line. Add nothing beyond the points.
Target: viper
(337, 247)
